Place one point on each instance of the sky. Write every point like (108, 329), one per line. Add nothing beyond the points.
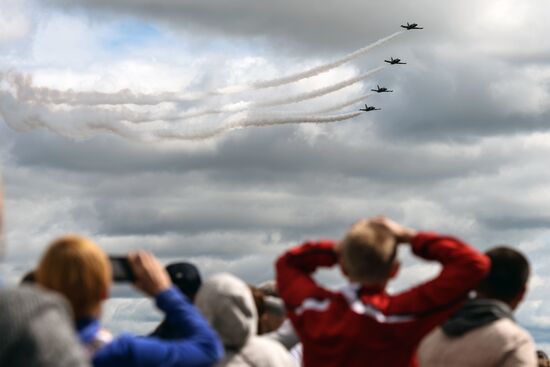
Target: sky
(460, 147)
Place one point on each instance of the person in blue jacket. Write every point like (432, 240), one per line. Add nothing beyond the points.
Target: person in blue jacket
(78, 269)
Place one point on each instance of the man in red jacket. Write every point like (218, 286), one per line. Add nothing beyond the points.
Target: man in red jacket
(362, 325)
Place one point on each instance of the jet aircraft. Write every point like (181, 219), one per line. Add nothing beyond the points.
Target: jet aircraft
(411, 26)
(393, 61)
(369, 108)
(380, 89)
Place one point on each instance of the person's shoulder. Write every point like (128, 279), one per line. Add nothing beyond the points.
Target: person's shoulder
(509, 330)
(28, 294)
(21, 304)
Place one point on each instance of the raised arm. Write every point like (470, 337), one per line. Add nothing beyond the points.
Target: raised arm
(294, 269)
(198, 344)
(463, 268)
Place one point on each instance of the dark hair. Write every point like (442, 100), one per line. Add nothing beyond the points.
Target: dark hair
(259, 300)
(508, 275)
(29, 278)
(186, 277)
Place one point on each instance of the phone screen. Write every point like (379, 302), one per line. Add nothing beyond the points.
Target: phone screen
(122, 270)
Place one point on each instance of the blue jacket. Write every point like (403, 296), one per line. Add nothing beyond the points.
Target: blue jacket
(198, 345)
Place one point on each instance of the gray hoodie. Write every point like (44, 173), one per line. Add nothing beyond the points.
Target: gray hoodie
(36, 330)
(227, 304)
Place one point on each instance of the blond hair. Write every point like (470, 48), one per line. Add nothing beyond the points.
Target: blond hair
(78, 269)
(368, 252)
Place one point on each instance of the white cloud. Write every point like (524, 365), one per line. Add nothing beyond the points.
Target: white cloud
(460, 147)
(15, 22)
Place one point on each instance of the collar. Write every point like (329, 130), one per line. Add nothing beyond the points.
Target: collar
(87, 329)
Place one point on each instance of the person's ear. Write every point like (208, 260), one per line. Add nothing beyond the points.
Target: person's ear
(395, 269)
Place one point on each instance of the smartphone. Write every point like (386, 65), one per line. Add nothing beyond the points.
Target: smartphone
(122, 270)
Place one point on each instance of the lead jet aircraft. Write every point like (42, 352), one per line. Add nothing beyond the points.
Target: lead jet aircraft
(369, 108)
(393, 61)
(411, 26)
(380, 89)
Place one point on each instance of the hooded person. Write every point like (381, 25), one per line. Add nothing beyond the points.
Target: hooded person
(228, 305)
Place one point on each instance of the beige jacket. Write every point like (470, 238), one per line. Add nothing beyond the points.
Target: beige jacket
(501, 343)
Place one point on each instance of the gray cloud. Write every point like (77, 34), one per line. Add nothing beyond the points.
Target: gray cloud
(460, 147)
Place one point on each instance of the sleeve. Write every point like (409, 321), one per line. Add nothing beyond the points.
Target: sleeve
(294, 269)
(198, 346)
(463, 268)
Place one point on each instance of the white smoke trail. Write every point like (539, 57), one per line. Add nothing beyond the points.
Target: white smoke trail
(88, 122)
(261, 121)
(344, 104)
(307, 73)
(320, 92)
(244, 106)
(27, 92)
(332, 108)
(77, 123)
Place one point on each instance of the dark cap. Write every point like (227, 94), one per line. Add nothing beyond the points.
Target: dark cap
(186, 277)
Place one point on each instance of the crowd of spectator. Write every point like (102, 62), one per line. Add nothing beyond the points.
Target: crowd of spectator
(462, 317)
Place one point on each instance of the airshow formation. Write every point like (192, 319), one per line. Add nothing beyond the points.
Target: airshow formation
(132, 116)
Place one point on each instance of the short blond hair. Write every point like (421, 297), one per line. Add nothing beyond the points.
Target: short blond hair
(78, 269)
(368, 251)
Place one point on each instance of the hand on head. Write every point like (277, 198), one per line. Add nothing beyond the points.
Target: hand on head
(402, 234)
(151, 277)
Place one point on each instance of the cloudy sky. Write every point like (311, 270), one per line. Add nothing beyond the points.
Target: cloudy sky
(461, 146)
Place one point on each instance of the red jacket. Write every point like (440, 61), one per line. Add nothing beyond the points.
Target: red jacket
(362, 327)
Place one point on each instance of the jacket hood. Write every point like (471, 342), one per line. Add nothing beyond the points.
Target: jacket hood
(474, 314)
(227, 303)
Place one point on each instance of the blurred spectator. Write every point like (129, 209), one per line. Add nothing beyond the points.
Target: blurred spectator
(361, 324)
(542, 358)
(269, 288)
(483, 332)
(271, 309)
(77, 268)
(36, 327)
(187, 278)
(228, 304)
(36, 330)
(273, 316)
